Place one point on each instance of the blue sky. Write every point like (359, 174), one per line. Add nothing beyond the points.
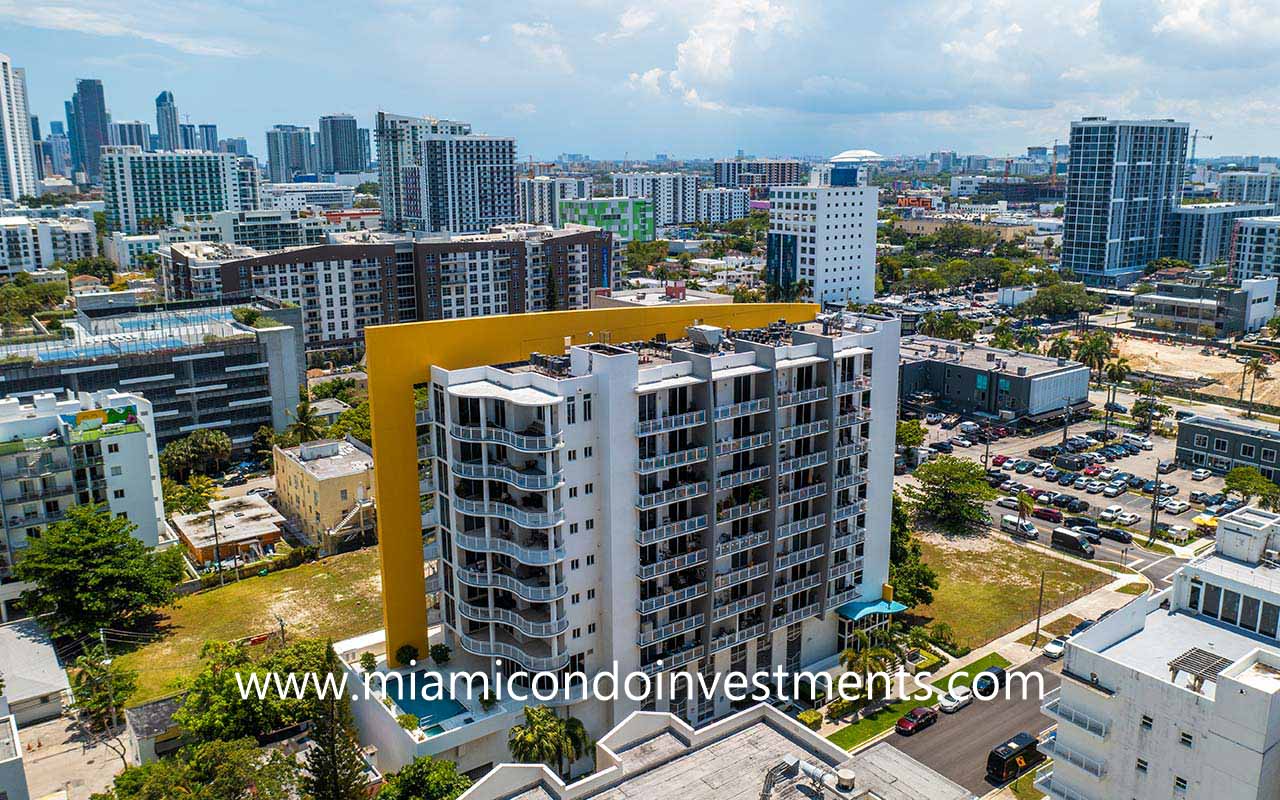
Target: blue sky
(773, 77)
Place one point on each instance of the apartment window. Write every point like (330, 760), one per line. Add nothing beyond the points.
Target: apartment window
(573, 492)
(342, 495)
(574, 598)
(591, 524)
(586, 408)
(573, 527)
(118, 494)
(589, 488)
(1146, 722)
(577, 633)
(591, 560)
(1246, 451)
(1179, 784)
(571, 411)
(573, 564)
(1268, 455)
(117, 471)
(1220, 445)
(1141, 766)
(573, 455)
(1186, 739)
(591, 594)
(591, 628)
(587, 452)
(113, 448)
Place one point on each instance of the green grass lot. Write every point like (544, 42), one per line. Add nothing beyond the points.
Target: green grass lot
(985, 592)
(335, 598)
(1135, 588)
(1059, 627)
(968, 674)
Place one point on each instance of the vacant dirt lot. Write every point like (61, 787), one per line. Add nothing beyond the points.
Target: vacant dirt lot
(1186, 361)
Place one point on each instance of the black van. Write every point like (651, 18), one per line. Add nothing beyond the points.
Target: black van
(1072, 463)
(1012, 758)
(1072, 541)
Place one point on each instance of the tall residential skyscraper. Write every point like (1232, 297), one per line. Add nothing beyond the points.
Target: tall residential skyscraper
(140, 189)
(87, 119)
(37, 148)
(824, 233)
(57, 150)
(167, 121)
(366, 151)
(436, 175)
(289, 152)
(674, 194)
(339, 141)
(135, 132)
(234, 144)
(17, 162)
(1123, 183)
(209, 137)
(188, 136)
(538, 198)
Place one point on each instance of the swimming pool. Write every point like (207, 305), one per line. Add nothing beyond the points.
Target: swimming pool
(158, 321)
(428, 712)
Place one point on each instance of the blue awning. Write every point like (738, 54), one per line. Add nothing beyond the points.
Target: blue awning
(859, 609)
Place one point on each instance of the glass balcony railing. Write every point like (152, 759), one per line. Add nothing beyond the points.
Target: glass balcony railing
(533, 480)
(795, 616)
(740, 543)
(856, 385)
(730, 513)
(671, 460)
(795, 586)
(742, 477)
(669, 565)
(649, 636)
(534, 627)
(785, 560)
(735, 607)
(532, 554)
(523, 518)
(737, 637)
(813, 395)
(801, 494)
(1054, 707)
(732, 410)
(849, 510)
(800, 431)
(674, 658)
(513, 652)
(668, 599)
(672, 495)
(532, 590)
(731, 578)
(1052, 747)
(802, 462)
(801, 525)
(1055, 788)
(744, 443)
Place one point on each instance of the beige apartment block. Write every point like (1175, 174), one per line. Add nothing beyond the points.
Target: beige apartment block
(325, 489)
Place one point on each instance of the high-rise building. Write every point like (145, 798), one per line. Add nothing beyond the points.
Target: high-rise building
(87, 119)
(437, 176)
(366, 149)
(1200, 234)
(674, 194)
(17, 162)
(264, 229)
(37, 148)
(339, 144)
(824, 233)
(135, 132)
(304, 196)
(723, 204)
(538, 198)
(1255, 248)
(1123, 184)
(234, 144)
(189, 136)
(35, 244)
(1174, 694)
(289, 152)
(144, 190)
(1250, 187)
(628, 218)
(57, 150)
(167, 121)
(712, 503)
(758, 174)
(209, 137)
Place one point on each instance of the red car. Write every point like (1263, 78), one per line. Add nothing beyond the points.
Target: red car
(998, 459)
(1092, 469)
(1001, 431)
(1047, 514)
(917, 719)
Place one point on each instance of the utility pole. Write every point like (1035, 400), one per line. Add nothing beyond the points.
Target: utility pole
(217, 544)
(1066, 419)
(1155, 506)
(1039, 608)
(280, 620)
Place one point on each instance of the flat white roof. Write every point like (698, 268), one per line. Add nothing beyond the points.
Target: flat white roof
(521, 396)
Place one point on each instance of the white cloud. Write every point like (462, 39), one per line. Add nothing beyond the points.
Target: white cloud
(632, 20)
(541, 40)
(154, 24)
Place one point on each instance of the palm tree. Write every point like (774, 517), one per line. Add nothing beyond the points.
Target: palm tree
(1060, 347)
(864, 658)
(1093, 351)
(1117, 371)
(1002, 336)
(544, 738)
(1026, 504)
(1256, 369)
(306, 425)
(198, 495)
(577, 740)
(1027, 339)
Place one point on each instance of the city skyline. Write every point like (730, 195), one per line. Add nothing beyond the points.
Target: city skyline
(762, 75)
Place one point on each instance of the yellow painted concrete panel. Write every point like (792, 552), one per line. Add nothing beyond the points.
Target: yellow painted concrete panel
(400, 356)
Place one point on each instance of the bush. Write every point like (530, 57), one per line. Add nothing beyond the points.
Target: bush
(810, 719)
(487, 700)
(841, 708)
(406, 653)
(368, 662)
(408, 721)
(440, 653)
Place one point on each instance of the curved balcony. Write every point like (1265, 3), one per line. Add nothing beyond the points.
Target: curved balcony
(671, 460)
(528, 480)
(529, 627)
(540, 592)
(512, 651)
(534, 556)
(649, 427)
(527, 442)
(495, 508)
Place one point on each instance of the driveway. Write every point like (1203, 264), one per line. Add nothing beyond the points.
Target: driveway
(58, 758)
(957, 746)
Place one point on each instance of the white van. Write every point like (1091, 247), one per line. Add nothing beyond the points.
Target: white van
(1138, 441)
(1023, 530)
(970, 427)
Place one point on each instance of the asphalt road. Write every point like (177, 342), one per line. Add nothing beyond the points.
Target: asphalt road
(957, 744)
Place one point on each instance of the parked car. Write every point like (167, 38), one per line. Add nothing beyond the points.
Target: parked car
(1095, 487)
(998, 459)
(1081, 482)
(1114, 489)
(1200, 474)
(1092, 470)
(917, 719)
(1066, 479)
(1176, 506)
(932, 418)
(1008, 502)
(989, 681)
(1116, 408)
(1136, 481)
(1023, 467)
(942, 447)
(1063, 500)
(1165, 467)
(1115, 534)
(1041, 469)
(1091, 532)
(1110, 513)
(955, 699)
(1082, 626)
(1023, 530)
(1055, 648)
(1047, 513)
(1128, 518)
(960, 441)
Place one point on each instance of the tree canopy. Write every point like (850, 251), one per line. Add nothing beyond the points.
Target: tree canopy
(425, 778)
(952, 493)
(910, 433)
(206, 451)
(1249, 482)
(912, 579)
(216, 770)
(1059, 300)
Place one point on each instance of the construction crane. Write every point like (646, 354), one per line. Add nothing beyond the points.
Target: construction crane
(1195, 136)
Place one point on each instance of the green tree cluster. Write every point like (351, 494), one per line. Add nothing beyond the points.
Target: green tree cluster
(1059, 300)
(205, 452)
(912, 579)
(951, 493)
(20, 297)
(425, 778)
(544, 738)
(948, 325)
(218, 770)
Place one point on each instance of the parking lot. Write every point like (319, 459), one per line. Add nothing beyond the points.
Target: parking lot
(957, 744)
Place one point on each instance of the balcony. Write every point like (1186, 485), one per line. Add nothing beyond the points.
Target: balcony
(744, 443)
(732, 410)
(533, 553)
(849, 510)
(536, 591)
(853, 417)
(740, 543)
(845, 568)
(671, 530)
(787, 588)
(495, 508)
(531, 480)
(786, 560)
(802, 462)
(674, 658)
(1061, 752)
(800, 431)
(1056, 789)
(1054, 707)
(535, 625)
(738, 606)
(742, 477)
(840, 598)
(851, 448)
(38, 493)
(853, 478)
(529, 441)
(672, 495)
(741, 635)
(668, 599)
(670, 565)
(801, 525)
(510, 649)
(795, 616)
(725, 580)
(742, 510)
(648, 427)
(786, 399)
(848, 540)
(422, 416)
(802, 494)
(856, 385)
(670, 631)
(671, 460)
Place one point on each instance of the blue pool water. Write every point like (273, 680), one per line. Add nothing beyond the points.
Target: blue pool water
(191, 318)
(108, 349)
(428, 712)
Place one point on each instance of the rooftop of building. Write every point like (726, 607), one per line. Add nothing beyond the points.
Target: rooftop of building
(330, 458)
(154, 718)
(8, 740)
(240, 519)
(658, 296)
(982, 357)
(212, 251)
(29, 663)
(651, 755)
(1232, 426)
(329, 406)
(305, 186)
(1221, 205)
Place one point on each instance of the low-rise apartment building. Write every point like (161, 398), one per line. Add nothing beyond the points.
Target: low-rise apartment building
(34, 244)
(1199, 307)
(325, 490)
(244, 528)
(303, 196)
(262, 229)
(125, 248)
(722, 204)
(1176, 694)
(1219, 445)
(628, 218)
